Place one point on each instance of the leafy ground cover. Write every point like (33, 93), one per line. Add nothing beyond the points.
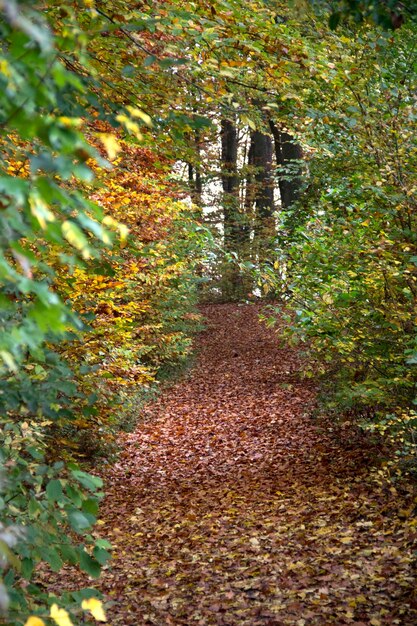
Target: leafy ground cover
(229, 505)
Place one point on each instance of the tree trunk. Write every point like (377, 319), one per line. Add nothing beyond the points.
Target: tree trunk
(261, 159)
(288, 155)
(194, 173)
(236, 227)
(260, 192)
(230, 183)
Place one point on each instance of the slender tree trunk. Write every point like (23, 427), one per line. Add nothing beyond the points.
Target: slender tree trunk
(236, 227)
(194, 173)
(230, 182)
(195, 184)
(288, 155)
(260, 193)
(261, 158)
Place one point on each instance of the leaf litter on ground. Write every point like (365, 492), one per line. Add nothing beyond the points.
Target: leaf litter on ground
(230, 505)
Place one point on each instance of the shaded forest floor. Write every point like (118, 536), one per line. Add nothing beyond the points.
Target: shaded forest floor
(230, 505)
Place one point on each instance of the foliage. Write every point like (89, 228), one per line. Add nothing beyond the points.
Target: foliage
(49, 509)
(348, 266)
(140, 298)
(61, 617)
(57, 271)
(390, 14)
(43, 151)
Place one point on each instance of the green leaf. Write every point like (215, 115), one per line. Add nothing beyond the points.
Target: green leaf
(89, 565)
(87, 480)
(15, 187)
(27, 568)
(80, 521)
(74, 494)
(103, 543)
(51, 556)
(90, 506)
(69, 554)
(101, 555)
(54, 490)
(75, 236)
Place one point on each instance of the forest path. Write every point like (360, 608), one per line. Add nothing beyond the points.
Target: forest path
(229, 505)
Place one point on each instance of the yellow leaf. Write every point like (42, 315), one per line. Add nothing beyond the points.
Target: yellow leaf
(60, 616)
(140, 114)
(346, 540)
(130, 126)
(8, 360)
(96, 609)
(40, 210)
(124, 231)
(34, 621)
(112, 223)
(5, 68)
(75, 236)
(71, 121)
(111, 144)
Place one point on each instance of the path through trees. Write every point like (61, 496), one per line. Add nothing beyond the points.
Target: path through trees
(229, 505)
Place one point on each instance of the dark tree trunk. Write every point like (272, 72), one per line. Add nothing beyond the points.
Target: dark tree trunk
(236, 228)
(288, 155)
(195, 184)
(230, 179)
(261, 159)
(194, 173)
(260, 193)
(250, 182)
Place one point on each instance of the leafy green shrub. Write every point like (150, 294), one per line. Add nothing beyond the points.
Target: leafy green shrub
(349, 247)
(47, 511)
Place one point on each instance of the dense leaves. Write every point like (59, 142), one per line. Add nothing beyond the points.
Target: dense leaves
(65, 262)
(348, 265)
(47, 506)
(140, 299)
(43, 506)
